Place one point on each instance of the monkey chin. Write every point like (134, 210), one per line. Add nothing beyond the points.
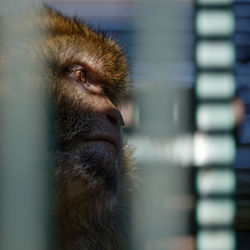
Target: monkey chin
(94, 166)
(99, 159)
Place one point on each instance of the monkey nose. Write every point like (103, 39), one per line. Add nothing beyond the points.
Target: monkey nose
(114, 117)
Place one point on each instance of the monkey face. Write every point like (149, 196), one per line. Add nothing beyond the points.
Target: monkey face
(89, 136)
(87, 78)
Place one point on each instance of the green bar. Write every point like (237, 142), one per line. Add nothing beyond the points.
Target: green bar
(24, 167)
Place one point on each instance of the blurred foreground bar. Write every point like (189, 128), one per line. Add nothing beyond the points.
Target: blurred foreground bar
(160, 211)
(23, 173)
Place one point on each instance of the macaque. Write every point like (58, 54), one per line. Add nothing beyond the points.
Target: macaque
(86, 76)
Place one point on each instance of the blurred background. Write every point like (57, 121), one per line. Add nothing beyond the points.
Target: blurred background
(187, 118)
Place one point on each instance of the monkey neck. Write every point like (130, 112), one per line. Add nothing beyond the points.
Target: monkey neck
(91, 240)
(90, 217)
(79, 211)
(92, 224)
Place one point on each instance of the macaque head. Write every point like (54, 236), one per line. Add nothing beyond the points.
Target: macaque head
(88, 77)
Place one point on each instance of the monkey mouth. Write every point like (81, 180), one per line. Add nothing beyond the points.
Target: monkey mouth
(113, 140)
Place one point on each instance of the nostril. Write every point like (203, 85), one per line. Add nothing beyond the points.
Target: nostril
(112, 118)
(115, 117)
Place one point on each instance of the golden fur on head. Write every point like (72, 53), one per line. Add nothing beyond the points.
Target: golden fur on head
(67, 38)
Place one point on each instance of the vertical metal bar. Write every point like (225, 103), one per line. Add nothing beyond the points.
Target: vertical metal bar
(155, 221)
(23, 173)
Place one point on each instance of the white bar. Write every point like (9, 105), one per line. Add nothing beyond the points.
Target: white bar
(215, 23)
(215, 2)
(215, 54)
(215, 85)
(215, 212)
(211, 181)
(216, 240)
(213, 149)
(215, 117)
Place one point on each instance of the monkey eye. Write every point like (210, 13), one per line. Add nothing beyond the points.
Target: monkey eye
(81, 75)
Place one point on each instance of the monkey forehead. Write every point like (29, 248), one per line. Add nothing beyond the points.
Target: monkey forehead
(96, 53)
(67, 50)
(102, 55)
(75, 39)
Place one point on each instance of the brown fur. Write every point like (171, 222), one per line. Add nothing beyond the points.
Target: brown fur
(90, 205)
(89, 215)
